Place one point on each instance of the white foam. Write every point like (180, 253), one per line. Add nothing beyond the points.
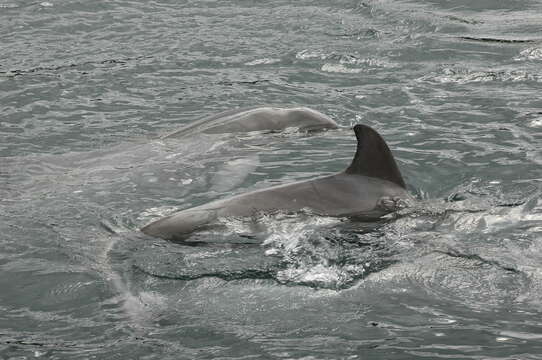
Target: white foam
(340, 68)
(530, 54)
(156, 212)
(308, 54)
(536, 123)
(264, 61)
(522, 335)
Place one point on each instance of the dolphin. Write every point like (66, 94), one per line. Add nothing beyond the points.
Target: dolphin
(258, 119)
(369, 188)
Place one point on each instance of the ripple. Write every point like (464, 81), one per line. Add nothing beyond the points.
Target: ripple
(189, 263)
(466, 76)
(498, 40)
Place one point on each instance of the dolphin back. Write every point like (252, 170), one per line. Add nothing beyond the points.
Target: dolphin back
(258, 119)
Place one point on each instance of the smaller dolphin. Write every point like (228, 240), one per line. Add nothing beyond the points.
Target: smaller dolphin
(370, 187)
(258, 119)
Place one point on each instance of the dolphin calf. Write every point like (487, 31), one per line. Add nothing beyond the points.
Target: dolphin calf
(258, 119)
(370, 187)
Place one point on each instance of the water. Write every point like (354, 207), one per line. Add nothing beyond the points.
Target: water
(87, 88)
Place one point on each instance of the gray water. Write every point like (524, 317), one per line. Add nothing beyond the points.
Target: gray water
(88, 88)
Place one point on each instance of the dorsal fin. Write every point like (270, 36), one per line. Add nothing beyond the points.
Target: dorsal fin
(373, 157)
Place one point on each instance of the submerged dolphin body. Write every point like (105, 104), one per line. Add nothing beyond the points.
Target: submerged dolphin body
(258, 119)
(369, 188)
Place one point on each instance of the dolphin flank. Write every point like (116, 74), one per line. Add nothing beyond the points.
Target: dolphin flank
(369, 188)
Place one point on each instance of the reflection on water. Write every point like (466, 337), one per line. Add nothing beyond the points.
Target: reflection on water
(87, 89)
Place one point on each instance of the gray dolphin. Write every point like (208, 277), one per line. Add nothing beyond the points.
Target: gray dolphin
(258, 119)
(370, 187)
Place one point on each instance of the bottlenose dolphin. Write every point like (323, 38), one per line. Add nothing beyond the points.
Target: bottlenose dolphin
(370, 187)
(258, 119)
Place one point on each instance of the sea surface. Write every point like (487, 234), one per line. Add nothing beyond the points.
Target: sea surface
(88, 89)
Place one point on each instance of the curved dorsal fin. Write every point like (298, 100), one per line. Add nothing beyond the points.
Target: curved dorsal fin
(373, 157)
